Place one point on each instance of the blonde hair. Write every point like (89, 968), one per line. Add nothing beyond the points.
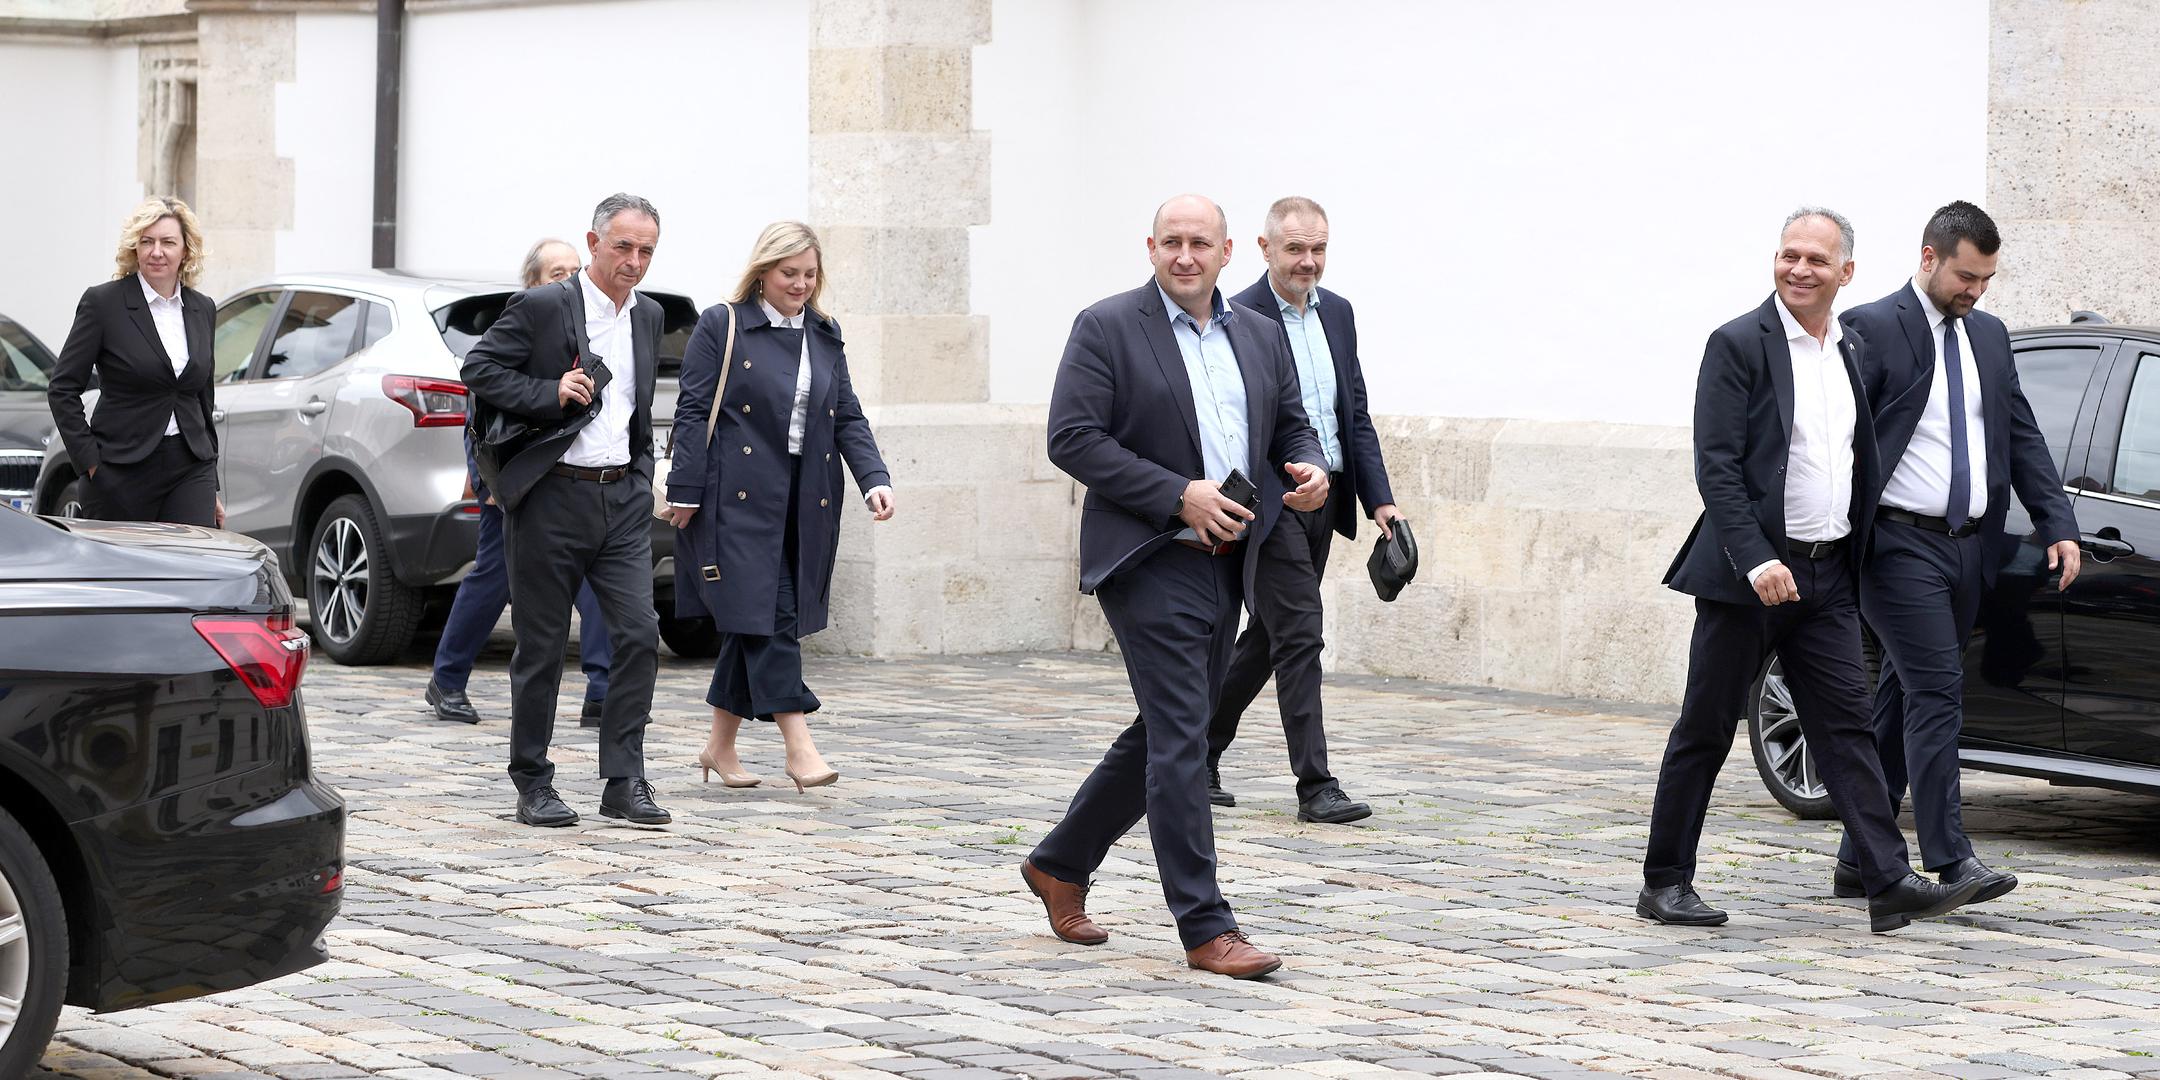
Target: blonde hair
(152, 211)
(781, 241)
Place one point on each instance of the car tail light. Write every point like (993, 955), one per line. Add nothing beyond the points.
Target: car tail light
(331, 878)
(434, 402)
(268, 652)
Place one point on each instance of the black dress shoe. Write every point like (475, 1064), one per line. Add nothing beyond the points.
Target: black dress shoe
(1916, 898)
(451, 704)
(543, 807)
(590, 717)
(631, 800)
(1215, 793)
(1329, 806)
(1993, 883)
(1677, 905)
(1845, 881)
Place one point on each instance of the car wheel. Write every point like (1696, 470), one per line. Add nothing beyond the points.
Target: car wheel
(33, 951)
(1782, 756)
(70, 504)
(362, 613)
(692, 639)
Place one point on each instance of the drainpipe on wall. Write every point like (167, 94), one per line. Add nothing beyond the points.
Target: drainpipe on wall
(389, 80)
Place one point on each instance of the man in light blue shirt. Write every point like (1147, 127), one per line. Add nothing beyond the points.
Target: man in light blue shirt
(1218, 389)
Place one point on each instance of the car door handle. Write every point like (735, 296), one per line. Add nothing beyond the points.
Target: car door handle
(2105, 548)
(315, 408)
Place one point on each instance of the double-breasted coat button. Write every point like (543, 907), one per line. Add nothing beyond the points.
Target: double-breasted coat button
(828, 412)
(746, 408)
(828, 455)
(745, 449)
(824, 502)
(742, 494)
(746, 363)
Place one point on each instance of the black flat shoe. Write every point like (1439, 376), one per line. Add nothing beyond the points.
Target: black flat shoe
(1215, 792)
(1915, 898)
(1677, 905)
(451, 704)
(590, 717)
(1845, 882)
(543, 807)
(1331, 807)
(631, 800)
(1993, 883)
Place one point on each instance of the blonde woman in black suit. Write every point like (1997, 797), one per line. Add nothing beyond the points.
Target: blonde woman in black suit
(151, 453)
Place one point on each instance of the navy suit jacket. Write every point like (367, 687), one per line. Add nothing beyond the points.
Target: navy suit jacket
(1900, 372)
(1743, 437)
(1122, 423)
(1364, 475)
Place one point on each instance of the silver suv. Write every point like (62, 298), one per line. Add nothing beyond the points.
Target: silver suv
(341, 423)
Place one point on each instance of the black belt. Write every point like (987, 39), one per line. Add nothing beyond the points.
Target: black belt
(1224, 548)
(1814, 549)
(1931, 524)
(608, 475)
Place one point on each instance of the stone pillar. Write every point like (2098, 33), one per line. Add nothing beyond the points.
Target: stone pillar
(2074, 158)
(246, 190)
(981, 554)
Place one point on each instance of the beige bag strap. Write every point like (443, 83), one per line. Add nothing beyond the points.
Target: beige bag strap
(727, 362)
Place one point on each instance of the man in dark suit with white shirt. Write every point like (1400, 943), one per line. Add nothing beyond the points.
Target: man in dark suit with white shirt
(574, 363)
(1283, 637)
(1785, 459)
(1959, 439)
(1163, 393)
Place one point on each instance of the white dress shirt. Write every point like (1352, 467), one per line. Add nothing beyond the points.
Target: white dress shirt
(1921, 481)
(1819, 457)
(605, 441)
(170, 318)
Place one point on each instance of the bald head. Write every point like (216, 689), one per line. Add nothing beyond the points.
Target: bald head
(1182, 206)
(1190, 246)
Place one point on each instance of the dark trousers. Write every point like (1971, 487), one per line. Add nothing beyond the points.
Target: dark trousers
(1921, 594)
(172, 484)
(760, 675)
(566, 532)
(1818, 639)
(1175, 617)
(1283, 638)
(479, 604)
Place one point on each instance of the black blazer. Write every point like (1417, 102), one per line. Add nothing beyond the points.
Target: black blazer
(1364, 475)
(115, 340)
(515, 367)
(1900, 372)
(1122, 423)
(1743, 437)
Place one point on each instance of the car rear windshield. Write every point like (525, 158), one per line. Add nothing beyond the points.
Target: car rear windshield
(24, 364)
(462, 322)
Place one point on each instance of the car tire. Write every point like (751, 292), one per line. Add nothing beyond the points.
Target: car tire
(361, 612)
(71, 504)
(33, 962)
(691, 639)
(1782, 757)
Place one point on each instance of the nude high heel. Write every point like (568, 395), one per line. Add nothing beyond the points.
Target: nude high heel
(731, 779)
(817, 780)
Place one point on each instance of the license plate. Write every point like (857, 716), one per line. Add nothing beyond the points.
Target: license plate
(20, 502)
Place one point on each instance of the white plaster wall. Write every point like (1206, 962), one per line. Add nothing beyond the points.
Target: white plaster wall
(1540, 209)
(519, 120)
(326, 125)
(70, 172)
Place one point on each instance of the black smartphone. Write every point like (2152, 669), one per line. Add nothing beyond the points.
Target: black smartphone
(1240, 490)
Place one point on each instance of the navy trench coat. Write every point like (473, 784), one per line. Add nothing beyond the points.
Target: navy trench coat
(727, 560)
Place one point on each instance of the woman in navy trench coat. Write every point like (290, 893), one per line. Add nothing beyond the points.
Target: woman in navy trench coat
(759, 508)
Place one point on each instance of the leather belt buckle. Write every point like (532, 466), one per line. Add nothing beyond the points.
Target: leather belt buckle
(1223, 548)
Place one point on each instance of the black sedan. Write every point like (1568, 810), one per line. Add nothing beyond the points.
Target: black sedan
(2064, 686)
(162, 835)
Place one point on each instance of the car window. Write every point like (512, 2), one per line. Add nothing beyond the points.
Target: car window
(24, 364)
(461, 322)
(678, 316)
(2137, 452)
(239, 330)
(2054, 380)
(316, 332)
(377, 327)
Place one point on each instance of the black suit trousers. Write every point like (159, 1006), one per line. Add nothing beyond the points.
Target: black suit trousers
(1283, 637)
(1175, 617)
(1818, 640)
(563, 534)
(171, 484)
(1922, 593)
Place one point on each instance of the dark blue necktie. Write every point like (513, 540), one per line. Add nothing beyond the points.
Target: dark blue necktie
(1959, 508)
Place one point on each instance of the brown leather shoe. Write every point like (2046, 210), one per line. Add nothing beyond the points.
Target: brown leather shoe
(1232, 954)
(1067, 904)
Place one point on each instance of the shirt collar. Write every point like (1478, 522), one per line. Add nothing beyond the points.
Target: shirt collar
(1934, 314)
(151, 295)
(773, 316)
(1794, 331)
(1219, 319)
(1312, 300)
(597, 302)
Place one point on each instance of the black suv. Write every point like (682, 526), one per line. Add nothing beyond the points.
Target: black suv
(2064, 686)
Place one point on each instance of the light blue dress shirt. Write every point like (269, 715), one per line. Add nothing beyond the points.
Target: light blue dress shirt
(1315, 372)
(1218, 389)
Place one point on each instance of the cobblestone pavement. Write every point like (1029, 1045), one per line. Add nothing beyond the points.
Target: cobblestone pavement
(1479, 923)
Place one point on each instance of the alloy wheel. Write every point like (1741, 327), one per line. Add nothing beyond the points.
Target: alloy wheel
(15, 959)
(1786, 749)
(341, 580)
